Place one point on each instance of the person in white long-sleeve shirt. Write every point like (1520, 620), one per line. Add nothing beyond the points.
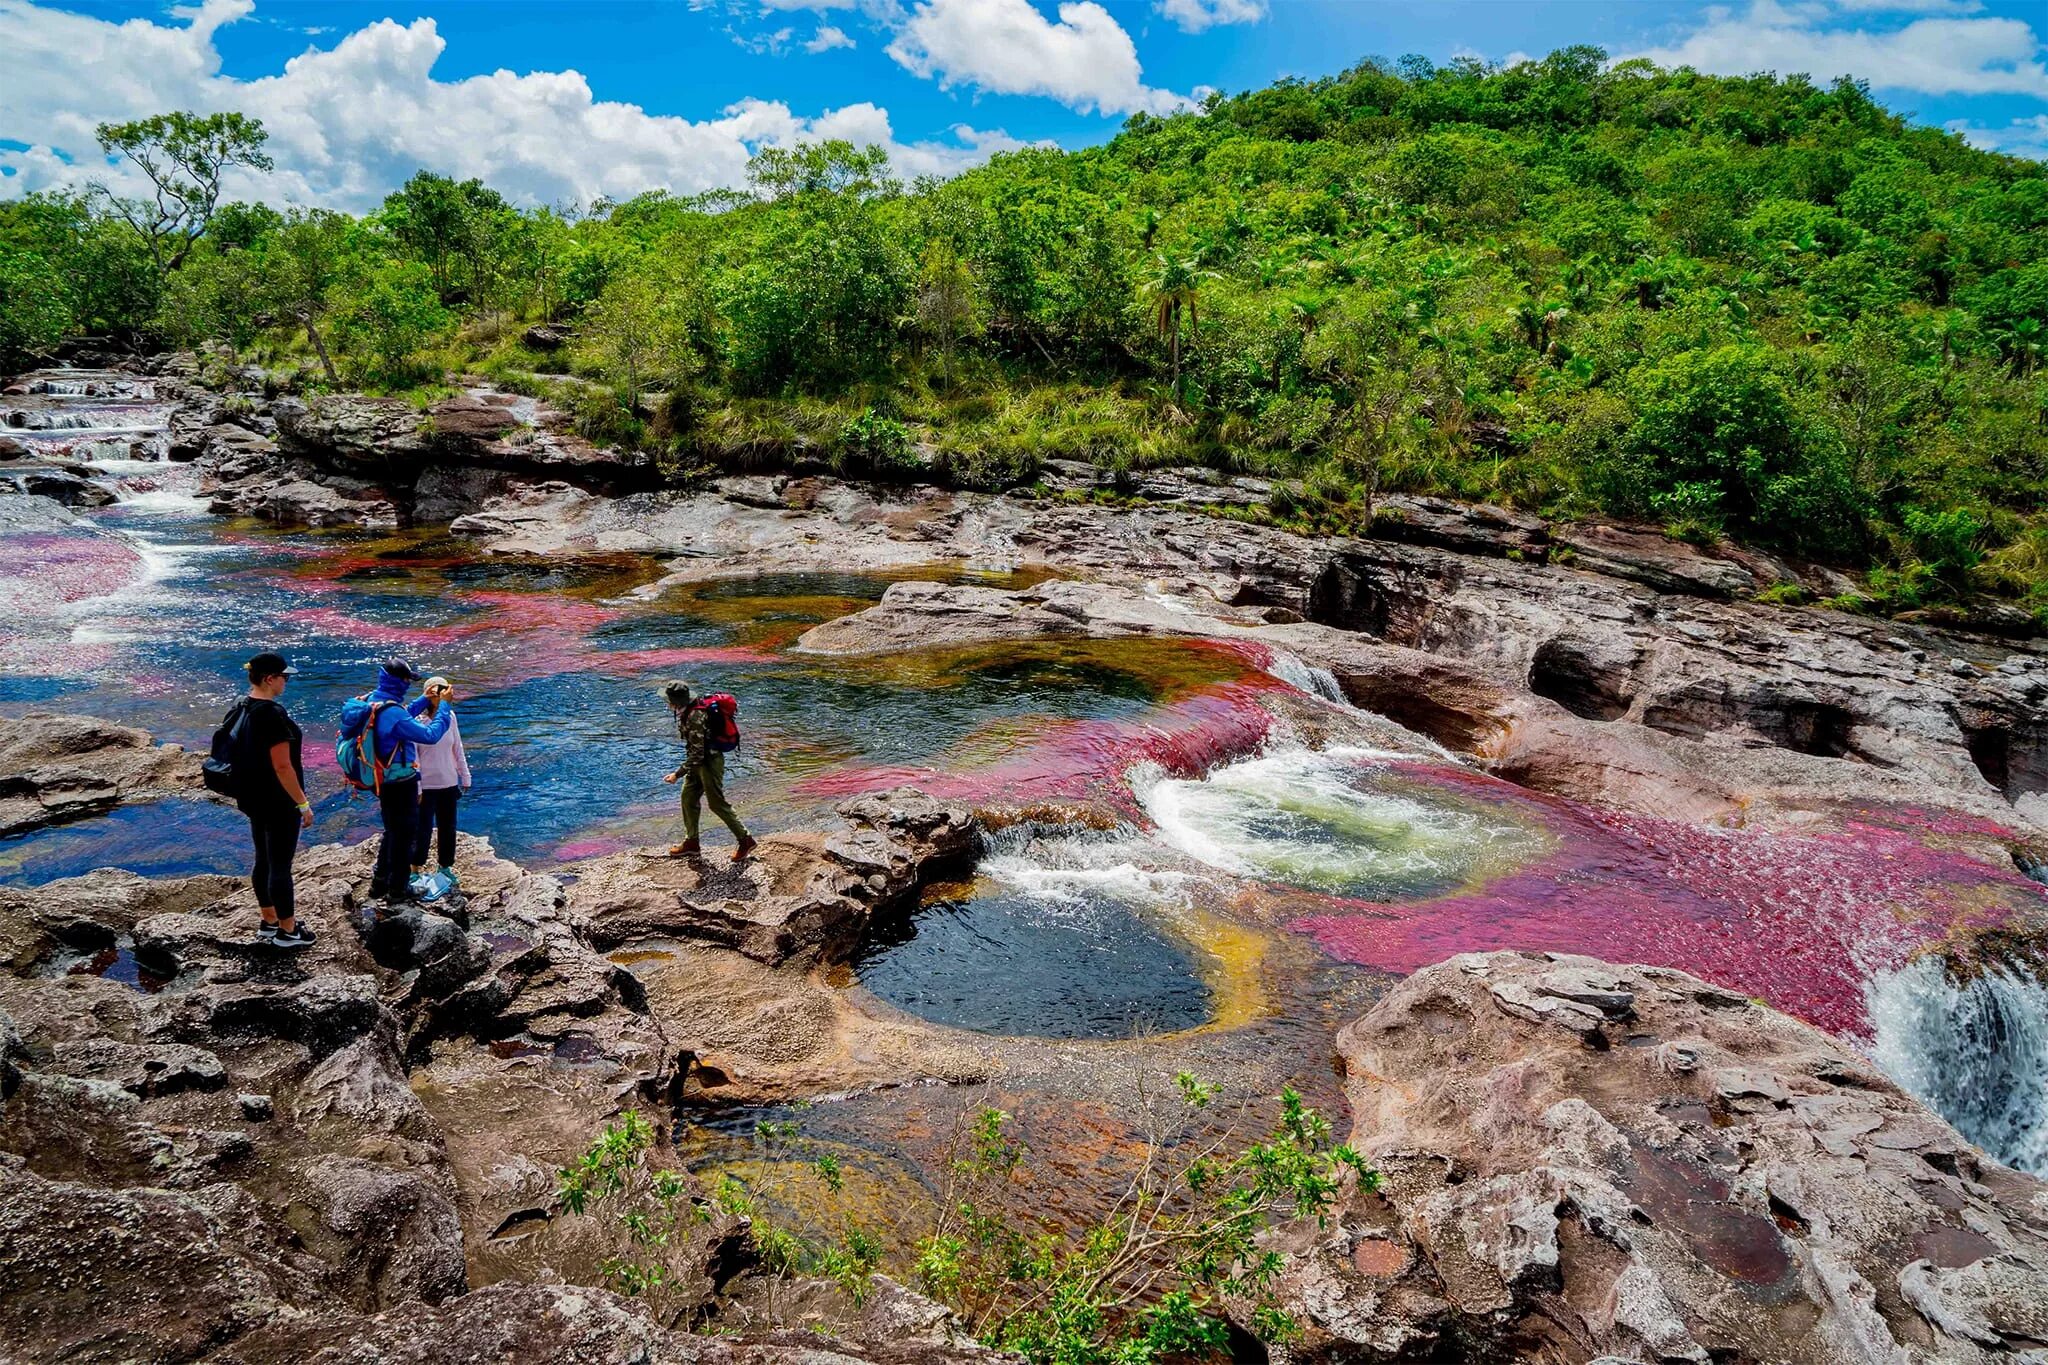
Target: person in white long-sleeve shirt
(444, 776)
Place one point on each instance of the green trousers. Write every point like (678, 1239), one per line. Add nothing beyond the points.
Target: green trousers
(706, 783)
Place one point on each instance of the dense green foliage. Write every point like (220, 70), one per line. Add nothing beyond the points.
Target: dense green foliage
(1751, 307)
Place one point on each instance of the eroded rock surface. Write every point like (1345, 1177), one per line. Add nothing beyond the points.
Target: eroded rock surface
(798, 897)
(55, 768)
(1583, 1161)
(349, 1152)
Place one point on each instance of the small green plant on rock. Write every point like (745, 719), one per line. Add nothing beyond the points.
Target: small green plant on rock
(875, 447)
(1153, 1277)
(651, 1205)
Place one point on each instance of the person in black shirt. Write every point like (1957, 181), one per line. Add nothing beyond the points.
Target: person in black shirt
(271, 781)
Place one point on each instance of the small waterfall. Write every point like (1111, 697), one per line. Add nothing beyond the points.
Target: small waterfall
(1975, 1053)
(1317, 682)
(64, 388)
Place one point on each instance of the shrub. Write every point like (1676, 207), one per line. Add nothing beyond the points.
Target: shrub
(872, 446)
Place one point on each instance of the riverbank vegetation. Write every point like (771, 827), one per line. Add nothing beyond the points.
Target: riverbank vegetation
(1755, 308)
(1160, 1275)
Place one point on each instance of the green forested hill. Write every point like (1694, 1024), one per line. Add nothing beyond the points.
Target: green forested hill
(1751, 307)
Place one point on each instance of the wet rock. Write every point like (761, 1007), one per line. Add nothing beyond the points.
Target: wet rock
(1673, 1174)
(55, 768)
(62, 486)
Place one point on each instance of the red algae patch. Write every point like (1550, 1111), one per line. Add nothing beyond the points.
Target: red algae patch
(1798, 920)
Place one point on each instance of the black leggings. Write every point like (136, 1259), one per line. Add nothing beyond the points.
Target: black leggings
(277, 843)
(399, 803)
(437, 813)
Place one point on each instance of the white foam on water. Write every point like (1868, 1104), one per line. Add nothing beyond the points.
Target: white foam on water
(1077, 870)
(1311, 818)
(1975, 1053)
(169, 502)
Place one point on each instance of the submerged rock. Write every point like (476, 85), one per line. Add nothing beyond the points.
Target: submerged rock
(1582, 1160)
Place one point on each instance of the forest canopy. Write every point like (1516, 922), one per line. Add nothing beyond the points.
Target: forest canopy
(1748, 307)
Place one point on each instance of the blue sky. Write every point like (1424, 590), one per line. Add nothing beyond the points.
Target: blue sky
(566, 101)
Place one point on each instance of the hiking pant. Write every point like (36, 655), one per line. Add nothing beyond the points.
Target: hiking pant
(437, 813)
(399, 803)
(277, 843)
(706, 782)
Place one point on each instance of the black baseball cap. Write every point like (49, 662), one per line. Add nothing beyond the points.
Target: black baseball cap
(402, 668)
(268, 665)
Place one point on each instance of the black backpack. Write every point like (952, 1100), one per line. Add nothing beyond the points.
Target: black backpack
(218, 769)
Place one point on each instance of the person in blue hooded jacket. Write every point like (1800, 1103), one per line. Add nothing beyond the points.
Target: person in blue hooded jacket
(398, 796)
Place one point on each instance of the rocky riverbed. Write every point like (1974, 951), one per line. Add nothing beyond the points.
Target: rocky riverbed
(1288, 773)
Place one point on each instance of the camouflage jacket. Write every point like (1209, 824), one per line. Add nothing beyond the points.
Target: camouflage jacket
(693, 729)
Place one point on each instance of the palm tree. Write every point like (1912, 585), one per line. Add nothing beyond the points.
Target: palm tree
(1175, 293)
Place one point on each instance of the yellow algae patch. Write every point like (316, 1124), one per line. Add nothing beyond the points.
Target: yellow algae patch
(1232, 960)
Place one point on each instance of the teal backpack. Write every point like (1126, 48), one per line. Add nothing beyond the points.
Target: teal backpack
(355, 752)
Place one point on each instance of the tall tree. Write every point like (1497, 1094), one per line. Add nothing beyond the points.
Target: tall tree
(185, 156)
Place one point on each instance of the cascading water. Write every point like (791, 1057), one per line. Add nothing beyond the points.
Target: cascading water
(1976, 1052)
(1334, 821)
(1317, 682)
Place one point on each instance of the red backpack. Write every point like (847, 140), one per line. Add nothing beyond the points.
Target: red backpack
(722, 721)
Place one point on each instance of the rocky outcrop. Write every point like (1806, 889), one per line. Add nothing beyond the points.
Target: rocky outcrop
(55, 768)
(1580, 1161)
(351, 460)
(799, 896)
(210, 1148)
(1569, 683)
(64, 486)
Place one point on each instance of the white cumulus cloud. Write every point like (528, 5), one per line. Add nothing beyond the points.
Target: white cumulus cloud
(2026, 137)
(349, 123)
(826, 38)
(1007, 47)
(1195, 15)
(1933, 56)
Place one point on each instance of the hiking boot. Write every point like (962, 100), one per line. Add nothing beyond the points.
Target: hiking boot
(688, 848)
(739, 855)
(299, 936)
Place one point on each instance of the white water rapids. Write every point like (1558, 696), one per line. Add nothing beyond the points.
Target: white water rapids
(1977, 1054)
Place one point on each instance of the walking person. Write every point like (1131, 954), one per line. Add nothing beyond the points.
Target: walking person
(378, 751)
(444, 777)
(270, 788)
(709, 729)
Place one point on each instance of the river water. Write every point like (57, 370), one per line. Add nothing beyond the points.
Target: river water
(1214, 831)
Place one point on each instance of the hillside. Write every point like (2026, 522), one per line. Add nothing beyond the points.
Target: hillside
(1744, 307)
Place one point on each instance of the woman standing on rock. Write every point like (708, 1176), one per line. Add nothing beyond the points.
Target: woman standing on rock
(270, 782)
(444, 777)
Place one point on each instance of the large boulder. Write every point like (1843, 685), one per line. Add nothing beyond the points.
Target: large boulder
(1583, 1161)
(799, 896)
(350, 433)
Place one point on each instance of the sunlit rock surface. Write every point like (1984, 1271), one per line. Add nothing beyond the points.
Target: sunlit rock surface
(56, 767)
(1585, 1160)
